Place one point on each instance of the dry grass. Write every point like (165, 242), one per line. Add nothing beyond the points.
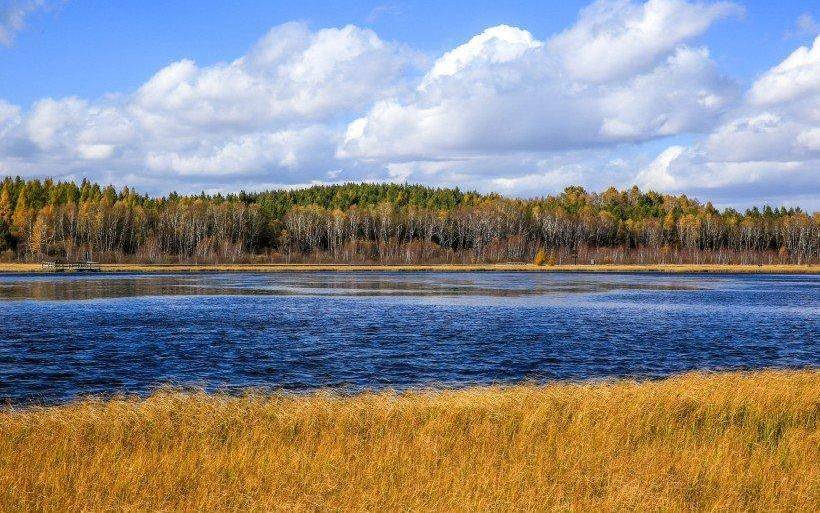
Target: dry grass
(733, 441)
(511, 267)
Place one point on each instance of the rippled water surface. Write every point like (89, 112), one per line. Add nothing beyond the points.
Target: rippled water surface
(61, 336)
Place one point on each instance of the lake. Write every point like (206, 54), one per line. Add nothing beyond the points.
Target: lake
(67, 335)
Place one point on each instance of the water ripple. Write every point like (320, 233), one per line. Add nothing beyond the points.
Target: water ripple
(63, 336)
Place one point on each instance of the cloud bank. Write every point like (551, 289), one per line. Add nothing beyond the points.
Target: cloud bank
(768, 145)
(504, 111)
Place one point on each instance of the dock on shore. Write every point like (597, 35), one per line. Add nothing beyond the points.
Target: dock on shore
(71, 267)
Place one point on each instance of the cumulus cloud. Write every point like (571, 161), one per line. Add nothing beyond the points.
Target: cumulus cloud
(291, 73)
(796, 77)
(73, 126)
(296, 152)
(276, 110)
(621, 74)
(499, 44)
(771, 141)
(657, 175)
(614, 39)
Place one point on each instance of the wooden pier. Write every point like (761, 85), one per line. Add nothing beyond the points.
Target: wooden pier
(71, 267)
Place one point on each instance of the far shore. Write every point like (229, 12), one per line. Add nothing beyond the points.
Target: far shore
(24, 268)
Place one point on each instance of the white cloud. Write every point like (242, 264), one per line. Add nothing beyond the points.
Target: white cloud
(809, 139)
(287, 150)
(72, 126)
(618, 38)
(277, 110)
(291, 73)
(9, 117)
(13, 14)
(689, 170)
(519, 174)
(797, 76)
(657, 175)
(769, 144)
(495, 45)
(622, 74)
(768, 135)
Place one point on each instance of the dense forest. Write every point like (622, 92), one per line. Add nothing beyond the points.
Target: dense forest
(391, 223)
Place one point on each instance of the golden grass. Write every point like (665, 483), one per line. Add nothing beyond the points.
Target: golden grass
(510, 267)
(729, 441)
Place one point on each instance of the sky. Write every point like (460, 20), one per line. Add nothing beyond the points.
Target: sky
(718, 100)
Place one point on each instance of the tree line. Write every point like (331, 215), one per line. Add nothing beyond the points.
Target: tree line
(391, 223)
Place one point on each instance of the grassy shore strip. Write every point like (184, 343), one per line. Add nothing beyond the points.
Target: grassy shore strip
(512, 267)
(716, 442)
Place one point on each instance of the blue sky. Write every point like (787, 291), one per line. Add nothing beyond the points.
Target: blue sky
(89, 48)
(102, 53)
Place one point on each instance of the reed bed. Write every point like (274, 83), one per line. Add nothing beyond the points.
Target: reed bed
(725, 441)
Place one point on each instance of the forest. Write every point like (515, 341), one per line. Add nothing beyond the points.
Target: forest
(391, 223)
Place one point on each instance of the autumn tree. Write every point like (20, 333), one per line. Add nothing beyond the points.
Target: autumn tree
(394, 223)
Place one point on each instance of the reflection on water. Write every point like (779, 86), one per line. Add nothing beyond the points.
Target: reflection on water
(80, 287)
(61, 336)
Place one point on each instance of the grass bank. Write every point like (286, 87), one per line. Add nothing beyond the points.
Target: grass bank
(512, 267)
(729, 441)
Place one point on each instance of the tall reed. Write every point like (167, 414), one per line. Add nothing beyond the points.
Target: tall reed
(726, 441)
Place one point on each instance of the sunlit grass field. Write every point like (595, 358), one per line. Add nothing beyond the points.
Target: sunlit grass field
(716, 442)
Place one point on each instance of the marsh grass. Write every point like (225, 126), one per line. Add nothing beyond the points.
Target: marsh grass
(726, 441)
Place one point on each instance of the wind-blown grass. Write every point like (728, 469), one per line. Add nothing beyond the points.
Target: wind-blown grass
(727, 441)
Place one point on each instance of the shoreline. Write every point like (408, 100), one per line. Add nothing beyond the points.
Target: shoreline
(671, 444)
(36, 268)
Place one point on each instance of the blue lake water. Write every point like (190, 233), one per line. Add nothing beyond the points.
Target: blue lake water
(63, 336)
